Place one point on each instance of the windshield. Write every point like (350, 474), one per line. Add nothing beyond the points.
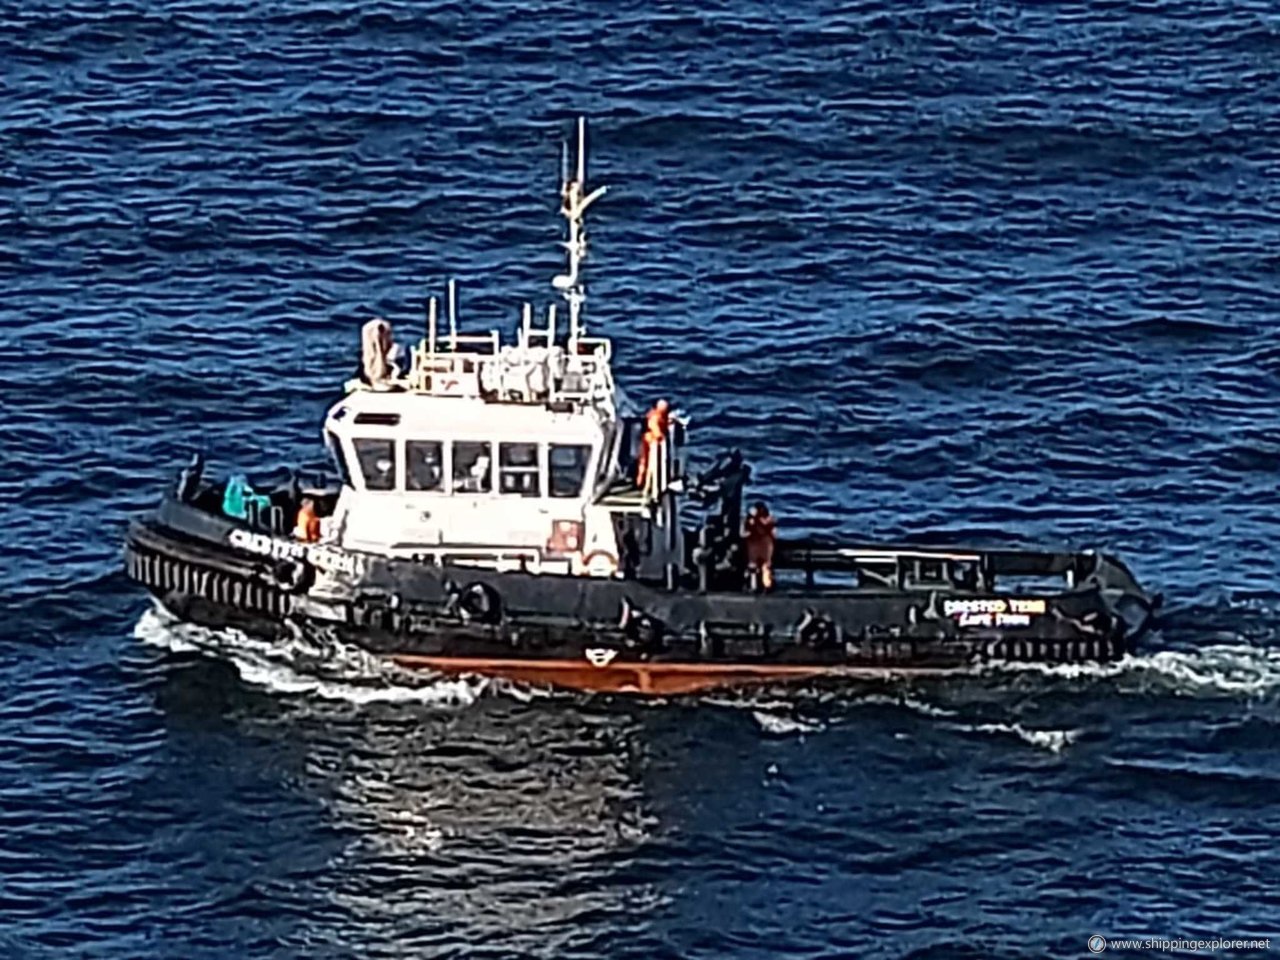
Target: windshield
(568, 464)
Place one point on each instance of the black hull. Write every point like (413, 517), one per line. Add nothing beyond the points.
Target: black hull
(608, 633)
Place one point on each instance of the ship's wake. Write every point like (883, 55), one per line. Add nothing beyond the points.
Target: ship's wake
(784, 718)
(309, 665)
(1215, 670)
(981, 703)
(988, 702)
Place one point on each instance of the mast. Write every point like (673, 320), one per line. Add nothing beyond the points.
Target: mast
(574, 203)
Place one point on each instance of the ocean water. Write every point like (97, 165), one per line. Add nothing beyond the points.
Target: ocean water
(992, 271)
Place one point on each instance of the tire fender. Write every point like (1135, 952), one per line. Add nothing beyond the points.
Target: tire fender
(293, 576)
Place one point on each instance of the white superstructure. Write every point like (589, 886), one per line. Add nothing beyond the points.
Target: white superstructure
(509, 456)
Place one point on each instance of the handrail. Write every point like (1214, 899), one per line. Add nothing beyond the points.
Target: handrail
(582, 378)
(657, 476)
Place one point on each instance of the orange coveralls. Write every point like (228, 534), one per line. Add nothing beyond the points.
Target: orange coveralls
(656, 425)
(761, 533)
(307, 526)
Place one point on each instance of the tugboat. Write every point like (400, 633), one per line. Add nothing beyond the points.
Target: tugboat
(496, 513)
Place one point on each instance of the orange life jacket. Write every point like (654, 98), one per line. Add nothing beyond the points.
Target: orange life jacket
(307, 527)
(761, 529)
(656, 425)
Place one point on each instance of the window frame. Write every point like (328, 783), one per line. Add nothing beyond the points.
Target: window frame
(585, 476)
(536, 469)
(454, 488)
(338, 450)
(443, 484)
(396, 463)
(609, 461)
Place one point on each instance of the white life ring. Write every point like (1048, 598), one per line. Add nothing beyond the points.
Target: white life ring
(600, 563)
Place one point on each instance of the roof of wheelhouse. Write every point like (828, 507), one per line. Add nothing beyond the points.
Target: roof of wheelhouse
(379, 413)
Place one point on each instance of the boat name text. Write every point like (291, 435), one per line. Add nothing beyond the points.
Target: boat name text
(993, 612)
(322, 558)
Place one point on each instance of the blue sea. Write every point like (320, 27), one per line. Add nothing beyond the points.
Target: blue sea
(987, 271)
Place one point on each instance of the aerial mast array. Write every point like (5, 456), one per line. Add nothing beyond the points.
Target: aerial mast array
(574, 203)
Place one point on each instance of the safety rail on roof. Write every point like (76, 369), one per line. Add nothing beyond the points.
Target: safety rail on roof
(445, 374)
(515, 374)
(588, 377)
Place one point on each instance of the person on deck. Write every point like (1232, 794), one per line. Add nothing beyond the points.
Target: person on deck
(760, 532)
(307, 526)
(656, 425)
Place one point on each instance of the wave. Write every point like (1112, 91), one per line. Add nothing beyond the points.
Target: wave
(1047, 739)
(1055, 741)
(776, 725)
(777, 718)
(1234, 671)
(1192, 328)
(321, 667)
(1238, 670)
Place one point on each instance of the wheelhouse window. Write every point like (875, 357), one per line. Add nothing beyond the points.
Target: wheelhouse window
(568, 462)
(339, 457)
(472, 467)
(423, 465)
(377, 459)
(518, 469)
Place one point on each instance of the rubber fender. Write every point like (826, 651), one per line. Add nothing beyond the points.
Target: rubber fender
(816, 630)
(293, 576)
(640, 629)
(481, 603)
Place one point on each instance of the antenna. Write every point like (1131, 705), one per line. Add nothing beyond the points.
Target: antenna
(575, 201)
(431, 325)
(453, 315)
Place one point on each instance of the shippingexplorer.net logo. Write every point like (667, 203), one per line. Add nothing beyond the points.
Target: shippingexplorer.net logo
(1098, 943)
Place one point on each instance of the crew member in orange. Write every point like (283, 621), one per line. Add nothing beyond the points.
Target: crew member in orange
(307, 526)
(656, 425)
(760, 531)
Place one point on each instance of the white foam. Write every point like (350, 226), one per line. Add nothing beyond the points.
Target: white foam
(1066, 671)
(913, 704)
(1234, 669)
(780, 726)
(333, 671)
(746, 699)
(1052, 740)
